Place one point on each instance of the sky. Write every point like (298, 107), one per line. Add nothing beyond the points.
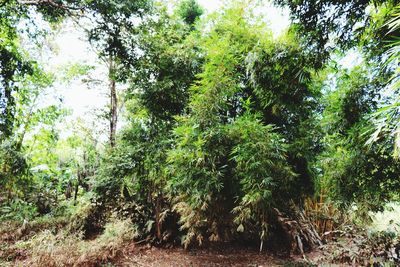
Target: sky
(70, 46)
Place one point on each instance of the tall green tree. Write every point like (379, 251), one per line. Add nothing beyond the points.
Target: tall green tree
(254, 94)
(163, 71)
(354, 172)
(13, 64)
(327, 24)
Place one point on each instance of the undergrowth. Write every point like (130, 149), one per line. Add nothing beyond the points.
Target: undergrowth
(64, 248)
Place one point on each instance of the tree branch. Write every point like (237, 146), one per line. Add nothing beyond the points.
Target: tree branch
(49, 3)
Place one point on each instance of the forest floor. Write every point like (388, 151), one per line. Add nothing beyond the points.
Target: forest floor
(40, 246)
(49, 244)
(150, 256)
(178, 257)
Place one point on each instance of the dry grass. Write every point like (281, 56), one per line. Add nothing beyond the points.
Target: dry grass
(64, 249)
(323, 215)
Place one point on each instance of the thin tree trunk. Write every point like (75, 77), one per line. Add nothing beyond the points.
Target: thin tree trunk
(77, 185)
(158, 219)
(113, 102)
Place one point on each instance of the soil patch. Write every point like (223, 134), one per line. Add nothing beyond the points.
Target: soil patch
(213, 257)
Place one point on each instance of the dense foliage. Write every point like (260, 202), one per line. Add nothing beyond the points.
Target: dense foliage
(226, 131)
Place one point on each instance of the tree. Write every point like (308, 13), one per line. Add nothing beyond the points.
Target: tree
(352, 171)
(159, 91)
(111, 23)
(344, 23)
(189, 11)
(253, 94)
(13, 65)
(386, 118)
(110, 35)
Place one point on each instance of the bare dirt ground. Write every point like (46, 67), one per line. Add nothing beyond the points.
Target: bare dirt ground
(133, 254)
(215, 257)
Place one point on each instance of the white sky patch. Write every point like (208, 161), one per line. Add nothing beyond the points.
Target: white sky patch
(351, 59)
(211, 5)
(277, 18)
(81, 98)
(72, 46)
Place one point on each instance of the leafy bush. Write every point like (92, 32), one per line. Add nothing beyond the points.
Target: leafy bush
(18, 210)
(241, 149)
(238, 169)
(13, 168)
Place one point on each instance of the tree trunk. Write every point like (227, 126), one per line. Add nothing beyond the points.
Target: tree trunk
(68, 191)
(78, 181)
(158, 220)
(113, 102)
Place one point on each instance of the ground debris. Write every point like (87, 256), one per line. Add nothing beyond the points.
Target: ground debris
(358, 247)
